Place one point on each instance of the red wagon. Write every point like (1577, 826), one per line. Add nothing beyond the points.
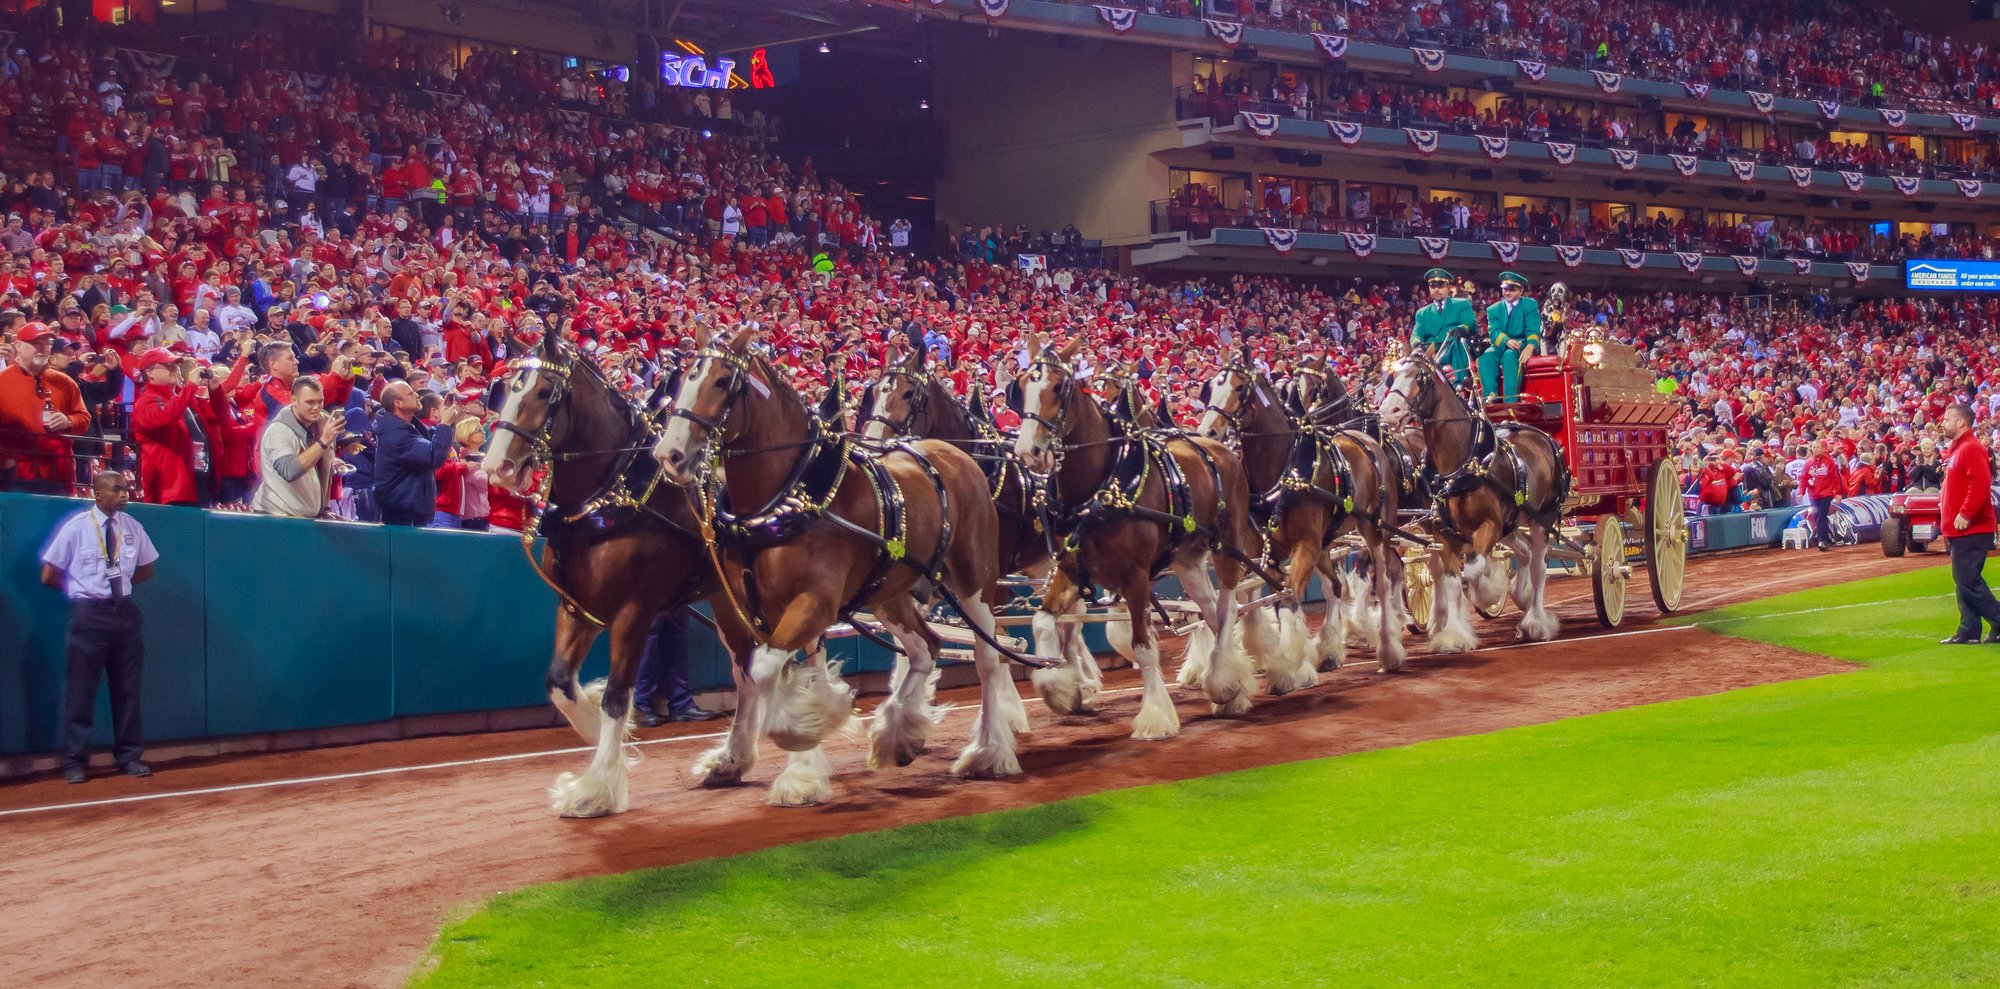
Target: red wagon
(1597, 400)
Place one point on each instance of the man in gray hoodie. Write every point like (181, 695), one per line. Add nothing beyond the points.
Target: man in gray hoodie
(295, 456)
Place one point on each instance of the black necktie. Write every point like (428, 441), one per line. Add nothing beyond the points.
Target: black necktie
(111, 559)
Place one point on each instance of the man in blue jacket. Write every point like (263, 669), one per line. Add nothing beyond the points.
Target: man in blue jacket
(407, 456)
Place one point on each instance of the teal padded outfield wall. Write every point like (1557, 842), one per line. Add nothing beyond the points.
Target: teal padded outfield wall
(257, 624)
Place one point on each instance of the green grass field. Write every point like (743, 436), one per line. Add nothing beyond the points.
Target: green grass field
(1841, 831)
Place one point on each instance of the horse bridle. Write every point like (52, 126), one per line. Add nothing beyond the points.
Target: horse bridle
(920, 400)
(739, 370)
(1235, 419)
(1064, 392)
(558, 372)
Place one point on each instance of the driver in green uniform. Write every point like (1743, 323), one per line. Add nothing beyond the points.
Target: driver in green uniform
(1513, 328)
(1442, 327)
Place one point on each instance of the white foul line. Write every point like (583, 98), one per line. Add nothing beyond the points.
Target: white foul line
(519, 756)
(454, 764)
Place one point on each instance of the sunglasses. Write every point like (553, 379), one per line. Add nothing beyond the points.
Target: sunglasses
(1440, 283)
(1510, 288)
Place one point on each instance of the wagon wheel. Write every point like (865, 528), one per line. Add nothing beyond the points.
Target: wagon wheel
(1666, 536)
(1419, 592)
(1607, 571)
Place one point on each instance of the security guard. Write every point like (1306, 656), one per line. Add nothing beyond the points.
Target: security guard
(1513, 329)
(1442, 327)
(95, 557)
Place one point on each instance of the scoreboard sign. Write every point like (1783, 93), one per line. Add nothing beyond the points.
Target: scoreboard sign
(1937, 275)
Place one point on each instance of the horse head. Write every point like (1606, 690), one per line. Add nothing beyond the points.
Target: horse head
(1227, 397)
(526, 431)
(897, 398)
(1413, 386)
(722, 372)
(1045, 395)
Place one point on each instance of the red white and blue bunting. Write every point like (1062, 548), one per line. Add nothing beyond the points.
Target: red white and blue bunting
(1801, 175)
(1745, 171)
(1345, 132)
(1764, 103)
(1607, 81)
(1435, 248)
(1852, 180)
(1281, 239)
(1261, 124)
(1535, 71)
(993, 8)
(1571, 255)
(1361, 244)
(1430, 58)
(1895, 118)
(1969, 188)
(1689, 261)
(1907, 184)
(1332, 45)
(1495, 147)
(1801, 266)
(1684, 164)
(1425, 141)
(1748, 266)
(154, 62)
(1508, 251)
(1633, 257)
(1228, 32)
(1121, 19)
(1830, 109)
(1625, 158)
(1563, 155)
(1858, 270)
(1965, 121)
(1698, 90)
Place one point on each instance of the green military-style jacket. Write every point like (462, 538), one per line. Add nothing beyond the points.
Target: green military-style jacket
(1434, 325)
(1524, 324)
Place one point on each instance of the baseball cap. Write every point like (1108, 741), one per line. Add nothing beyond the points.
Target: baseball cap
(34, 331)
(155, 357)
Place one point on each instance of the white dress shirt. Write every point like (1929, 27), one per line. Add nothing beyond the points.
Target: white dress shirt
(77, 549)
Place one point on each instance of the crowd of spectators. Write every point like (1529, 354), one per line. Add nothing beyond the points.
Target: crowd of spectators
(1859, 54)
(247, 351)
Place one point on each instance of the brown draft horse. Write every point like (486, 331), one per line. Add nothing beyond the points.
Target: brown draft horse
(1493, 484)
(907, 400)
(829, 530)
(608, 522)
(1128, 506)
(1316, 481)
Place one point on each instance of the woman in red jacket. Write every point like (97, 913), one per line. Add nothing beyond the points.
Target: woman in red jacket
(160, 427)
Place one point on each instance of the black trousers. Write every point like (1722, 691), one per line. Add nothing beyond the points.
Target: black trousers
(392, 516)
(663, 666)
(104, 642)
(1822, 521)
(1968, 571)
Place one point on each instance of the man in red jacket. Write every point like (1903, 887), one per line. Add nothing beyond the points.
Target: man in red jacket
(160, 426)
(1966, 509)
(1823, 483)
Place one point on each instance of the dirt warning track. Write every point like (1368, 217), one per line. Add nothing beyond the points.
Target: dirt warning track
(335, 867)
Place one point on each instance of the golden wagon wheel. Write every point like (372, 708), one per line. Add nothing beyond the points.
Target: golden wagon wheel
(1666, 536)
(1607, 571)
(1419, 593)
